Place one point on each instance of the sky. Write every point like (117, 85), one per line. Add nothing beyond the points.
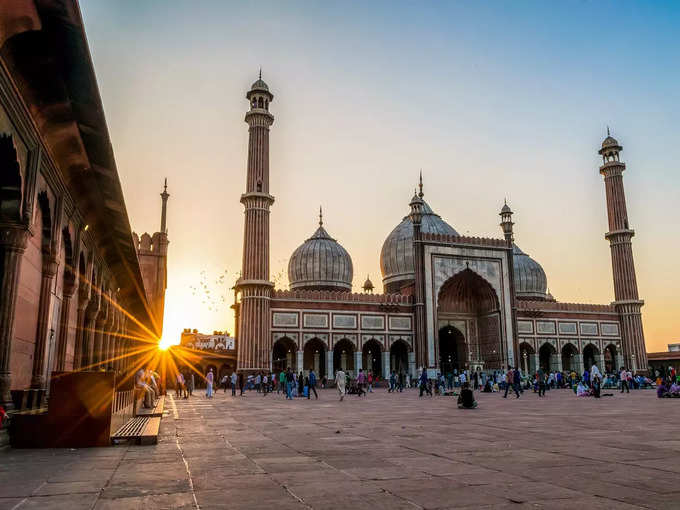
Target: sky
(492, 100)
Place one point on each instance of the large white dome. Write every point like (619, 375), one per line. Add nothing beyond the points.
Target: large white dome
(320, 263)
(396, 256)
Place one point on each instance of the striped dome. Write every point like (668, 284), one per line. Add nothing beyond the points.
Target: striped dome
(530, 279)
(396, 256)
(320, 263)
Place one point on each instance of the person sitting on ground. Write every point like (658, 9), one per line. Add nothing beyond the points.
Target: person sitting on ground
(487, 387)
(466, 399)
(662, 390)
(582, 390)
(674, 390)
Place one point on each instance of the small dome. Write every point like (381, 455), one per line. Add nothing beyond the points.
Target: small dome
(368, 285)
(396, 256)
(610, 141)
(506, 209)
(320, 263)
(530, 279)
(260, 85)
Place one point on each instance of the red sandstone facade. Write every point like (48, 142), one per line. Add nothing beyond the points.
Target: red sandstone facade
(73, 295)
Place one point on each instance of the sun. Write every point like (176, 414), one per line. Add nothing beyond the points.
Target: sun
(165, 343)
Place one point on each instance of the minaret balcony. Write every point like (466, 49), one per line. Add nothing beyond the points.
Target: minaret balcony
(623, 235)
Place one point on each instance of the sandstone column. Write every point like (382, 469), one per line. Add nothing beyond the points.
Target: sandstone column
(49, 270)
(12, 244)
(62, 340)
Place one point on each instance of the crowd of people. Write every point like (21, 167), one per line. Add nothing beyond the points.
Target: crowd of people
(462, 384)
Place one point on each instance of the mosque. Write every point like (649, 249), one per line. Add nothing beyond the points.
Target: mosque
(449, 302)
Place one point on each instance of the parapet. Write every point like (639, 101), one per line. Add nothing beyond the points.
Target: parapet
(327, 295)
(469, 240)
(563, 307)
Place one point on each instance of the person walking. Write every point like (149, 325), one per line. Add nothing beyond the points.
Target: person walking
(393, 381)
(209, 384)
(282, 382)
(423, 383)
(191, 384)
(301, 384)
(312, 385)
(361, 380)
(513, 380)
(234, 379)
(340, 383)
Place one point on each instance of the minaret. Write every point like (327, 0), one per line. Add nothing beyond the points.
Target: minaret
(420, 331)
(506, 224)
(164, 197)
(254, 342)
(627, 302)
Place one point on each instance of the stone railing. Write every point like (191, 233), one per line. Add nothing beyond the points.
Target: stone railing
(564, 307)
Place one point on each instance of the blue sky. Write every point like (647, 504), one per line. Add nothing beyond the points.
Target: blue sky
(490, 99)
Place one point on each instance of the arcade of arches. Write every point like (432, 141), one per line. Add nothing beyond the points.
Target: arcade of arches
(470, 302)
(344, 355)
(568, 358)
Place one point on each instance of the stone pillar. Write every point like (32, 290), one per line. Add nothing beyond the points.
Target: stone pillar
(386, 364)
(299, 361)
(619, 361)
(330, 374)
(12, 244)
(537, 361)
(62, 340)
(49, 270)
(98, 341)
(358, 355)
(558, 362)
(412, 369)
(88, 334)
(317, 363)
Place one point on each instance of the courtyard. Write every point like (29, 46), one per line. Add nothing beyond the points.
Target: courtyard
(393, 451)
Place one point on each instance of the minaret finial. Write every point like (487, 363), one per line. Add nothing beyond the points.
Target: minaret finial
(165, 185)
(320, 217)
(260, 72)
(420, 185)
(608, 131)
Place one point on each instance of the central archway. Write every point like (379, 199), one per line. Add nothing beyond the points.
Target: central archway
(283, 355)
(467, 297)
(372, 356)
(314, 357)
(343, 356)
(452, 350)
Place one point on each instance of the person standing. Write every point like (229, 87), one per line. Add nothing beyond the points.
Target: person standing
(513, 380)
(340, 383)
(541, 382)
(624, 380)
(241, 383)
(209, 384)
(393, 381)
(312, 385)
(234, 379)
(422, 383)
(301, 384)
(282, 382)
(191, 384)
(370, 382)
(290, 380)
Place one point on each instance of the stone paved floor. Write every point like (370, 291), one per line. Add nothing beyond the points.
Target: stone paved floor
(392, 451)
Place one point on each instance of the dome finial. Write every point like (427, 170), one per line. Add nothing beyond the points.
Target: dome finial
(260, 72)
(608, 134)
(420, 185)
(320, 217)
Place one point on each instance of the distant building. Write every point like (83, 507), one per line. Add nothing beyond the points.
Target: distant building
(197, 353)
(673, 347)
(662, 361)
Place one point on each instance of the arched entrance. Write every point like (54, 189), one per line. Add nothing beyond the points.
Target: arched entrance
(610, 359)
(452, 350)
(527, 357)
(546, 356)
(399, 357)
(569, 358)
(468, 298)
(283, 355)
(314, 357)
(590, 356)
(343, 355)
(372, 357)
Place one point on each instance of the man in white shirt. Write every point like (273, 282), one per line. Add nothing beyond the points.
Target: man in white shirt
(623, 375)
(340, 383)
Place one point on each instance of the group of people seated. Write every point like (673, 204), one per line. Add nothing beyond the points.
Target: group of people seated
(668, 389)
(146, 381)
